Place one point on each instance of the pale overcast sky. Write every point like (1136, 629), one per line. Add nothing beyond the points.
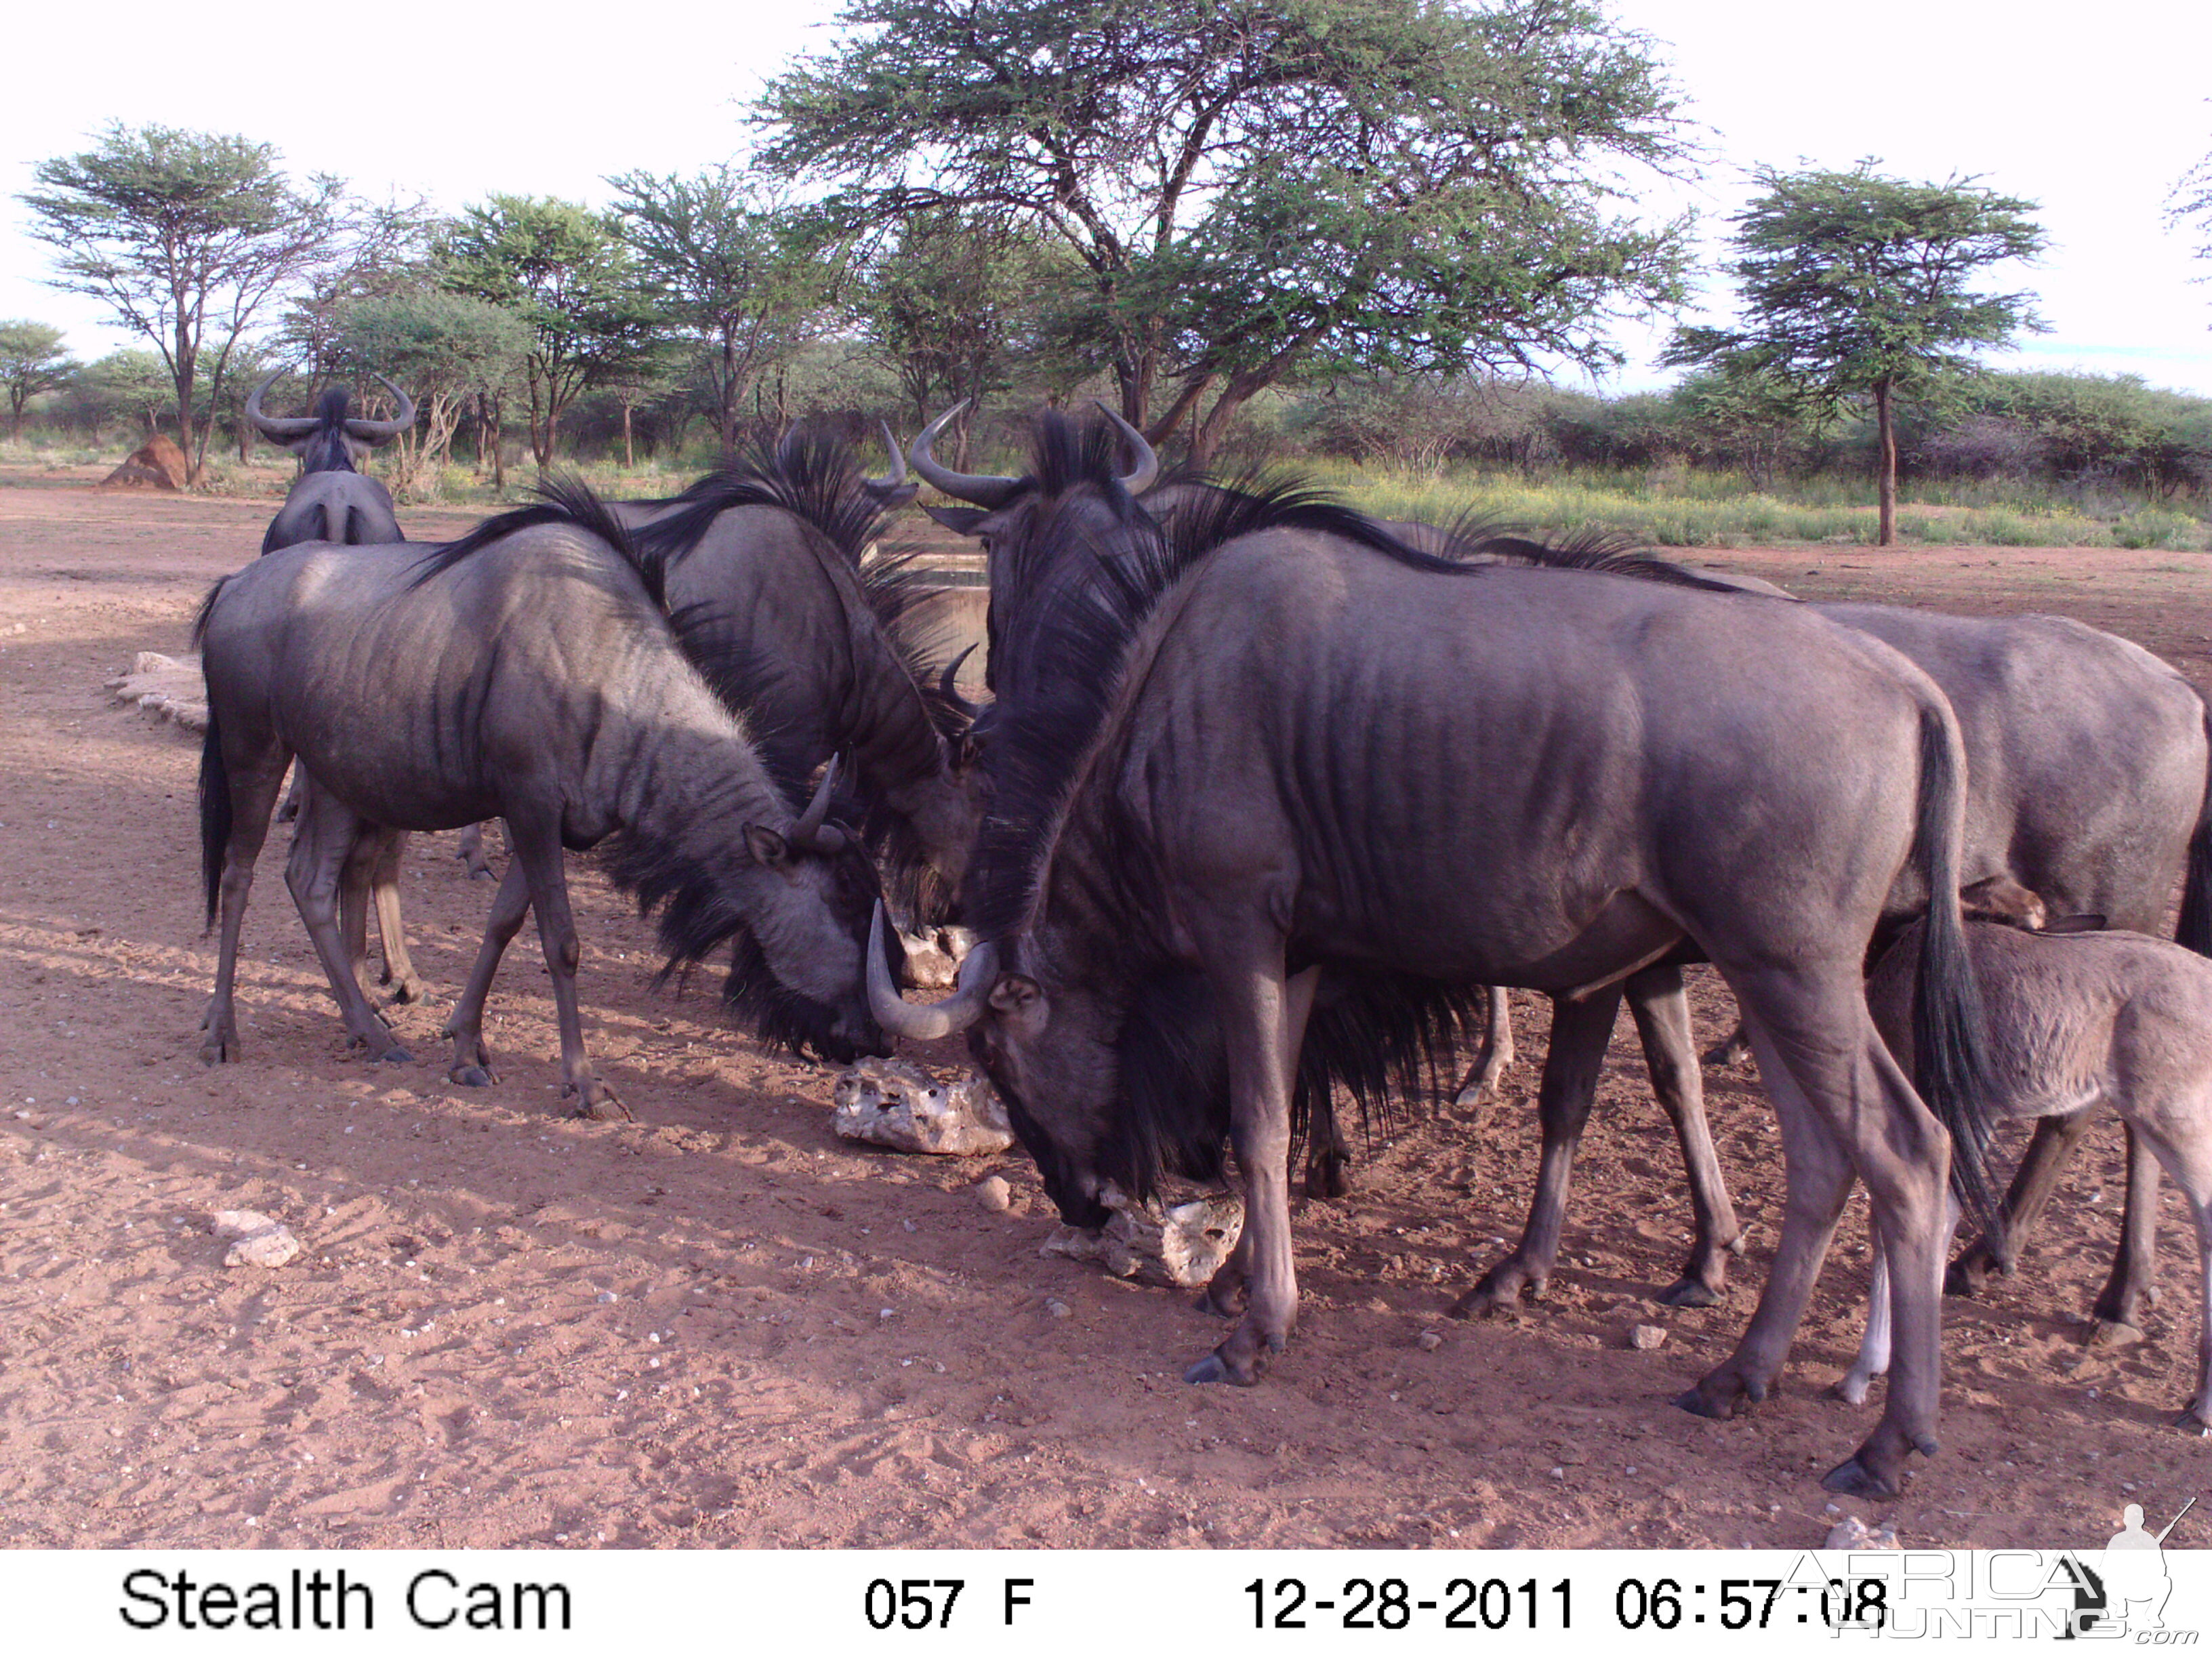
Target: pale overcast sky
(2093, 111)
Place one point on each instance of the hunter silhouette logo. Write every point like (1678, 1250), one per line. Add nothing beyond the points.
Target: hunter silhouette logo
(2127, 1591)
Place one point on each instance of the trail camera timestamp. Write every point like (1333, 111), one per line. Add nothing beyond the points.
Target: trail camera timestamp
(1394, 1604)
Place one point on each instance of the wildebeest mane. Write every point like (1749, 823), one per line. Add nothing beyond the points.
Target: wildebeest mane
(810, 475)
(565, 501)
(1481, 537)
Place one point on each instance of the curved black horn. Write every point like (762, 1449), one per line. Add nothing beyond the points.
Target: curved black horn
(892, 489)
(810, 830)
(926, 1022)
(1140, 479)
(276, 431)
(948, 687)
(979, 488)
(378, 432)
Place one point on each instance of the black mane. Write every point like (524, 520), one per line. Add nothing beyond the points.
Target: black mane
(810, 475)
(566, 501)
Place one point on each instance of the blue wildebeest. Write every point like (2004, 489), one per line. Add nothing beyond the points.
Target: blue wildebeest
(2078, 1019)
(530, 670)
(818, 645)
(1300, 760)
(331, 501)
(2088, 776)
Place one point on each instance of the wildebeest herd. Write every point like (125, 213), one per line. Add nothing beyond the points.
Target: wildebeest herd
(1267, 794)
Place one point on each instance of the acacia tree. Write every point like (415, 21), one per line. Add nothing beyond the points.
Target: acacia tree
(951, 302)
(1858, 288)
(1249, 182)
(186, 236)
(736, 267)
(567, 273)
(32, 360)
(451, 353)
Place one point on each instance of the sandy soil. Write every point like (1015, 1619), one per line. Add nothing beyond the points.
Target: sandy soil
(718, 1325)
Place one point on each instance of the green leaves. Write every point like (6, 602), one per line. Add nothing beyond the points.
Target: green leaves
(1851, 280)
(1254, 183)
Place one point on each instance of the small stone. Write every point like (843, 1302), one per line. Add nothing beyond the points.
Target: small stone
(1058, 1309)
(1558, 1473)
(1428, 1342)
(1645, 1338)
(993, 1195)
(1853, 1534)
(609, 1296)
(270, 1248)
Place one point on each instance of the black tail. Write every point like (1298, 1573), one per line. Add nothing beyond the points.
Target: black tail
(1950, 1061)
(215, 814)
(2195, 931)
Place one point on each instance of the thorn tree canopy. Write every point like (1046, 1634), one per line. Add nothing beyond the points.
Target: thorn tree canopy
(185, 236)
(1250, 183)
(32, 360)
(565, 271)
(735, 268)
(1856, 286)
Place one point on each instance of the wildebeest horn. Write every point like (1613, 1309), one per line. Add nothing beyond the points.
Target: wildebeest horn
(948, 686)
(276, 431)
(377, 432)
(809, 831)
(1140, 479)
(981, 488)
(895, 479)
(926, 1021)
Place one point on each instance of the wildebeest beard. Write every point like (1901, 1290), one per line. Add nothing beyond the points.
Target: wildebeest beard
(783, 1017)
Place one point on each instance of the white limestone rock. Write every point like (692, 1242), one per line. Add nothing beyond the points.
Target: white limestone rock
(890, 1102)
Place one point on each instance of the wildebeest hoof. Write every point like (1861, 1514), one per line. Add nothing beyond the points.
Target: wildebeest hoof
(1223, 1301)
(1726, 1052)
(600, 1104)
(395, 1055)
(215, 1051)
(1218, 1367)
(1854, 1479)
(1851, 1389)
(2194, 1421)
(471, 1077)
(480, 872)
(1691, 1292)
(1329, 1175)
(1502, 1290)
(411, 989)
(1722, 1396)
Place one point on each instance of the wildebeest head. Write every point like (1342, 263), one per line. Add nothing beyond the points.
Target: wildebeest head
(1038, 530)
(328, 441)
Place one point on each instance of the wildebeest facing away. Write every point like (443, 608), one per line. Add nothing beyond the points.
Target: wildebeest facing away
(2077, 1020)
(1312, 756)
(2087, 771)
(331, 501)
(530, 671)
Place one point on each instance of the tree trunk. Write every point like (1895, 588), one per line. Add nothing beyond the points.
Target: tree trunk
(245, 441)
(1887, 426)
(729, 398)
(630, 445)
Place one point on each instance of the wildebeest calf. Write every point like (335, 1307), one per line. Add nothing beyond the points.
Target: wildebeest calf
(2076, 1020)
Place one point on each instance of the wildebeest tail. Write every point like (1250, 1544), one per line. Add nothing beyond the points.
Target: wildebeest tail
(2194, 930)
(1950, 1039)
(214, 813)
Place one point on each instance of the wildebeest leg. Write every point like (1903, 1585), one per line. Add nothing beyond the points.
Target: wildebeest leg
(1263, 1019)
(472, 1066)
(290, 809)
(1328, 1157)
(2176, 1130)
(1873, 1359)
(1225, 1291)
(2135, 1268)
(251, 781)
(1660, 1008)
(537, 848)
(2032, 1183)
(471, 853)
(1730, 1048)
(1874, 1344)
(329, 836)
(407, 986)
(1580, 1031)
(1496, 1053)
(1842, 1101)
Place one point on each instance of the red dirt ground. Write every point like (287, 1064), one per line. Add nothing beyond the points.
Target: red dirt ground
(719, 1326)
